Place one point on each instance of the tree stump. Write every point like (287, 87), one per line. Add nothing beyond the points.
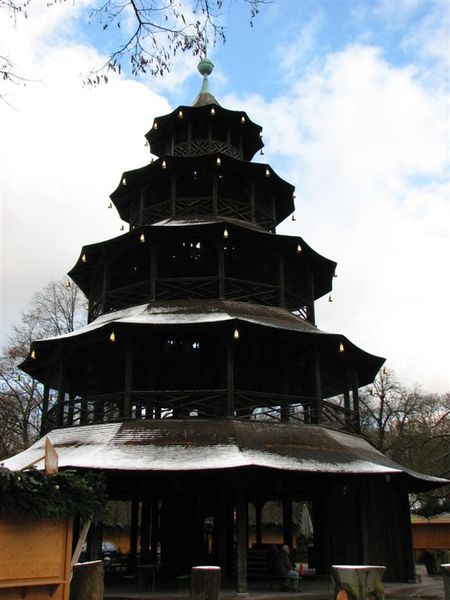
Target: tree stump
(87, 581)
(354, 582)
(205, 583)
(445, 570)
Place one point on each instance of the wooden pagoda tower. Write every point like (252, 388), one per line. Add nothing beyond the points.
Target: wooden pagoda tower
(201, 382)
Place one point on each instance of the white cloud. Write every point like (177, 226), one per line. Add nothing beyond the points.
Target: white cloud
(366, 145)
(64, 147)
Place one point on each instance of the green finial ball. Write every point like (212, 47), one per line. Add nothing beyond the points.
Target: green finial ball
(205, 67)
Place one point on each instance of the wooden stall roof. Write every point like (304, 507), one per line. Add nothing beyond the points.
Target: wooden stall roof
(183, 445)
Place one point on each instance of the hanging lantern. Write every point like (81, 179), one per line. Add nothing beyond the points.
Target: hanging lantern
(294, 218)
(236, 334)
(164, 164)
(330, 298)
(341, 347)
(146, 143)
(122, 227)
(218, 161)
(262, 152)
(225, 233)
(155, 125)
(142, 237)
(335, 274)
(267, 173)
(17, 377)
(180, 114)
(299, 248)
(86, 306)
(110, 204)
(84, 258)
(213, 111)
(112, 336)
(242, 119)
(260, 134)
(124, 181)
(33, 354)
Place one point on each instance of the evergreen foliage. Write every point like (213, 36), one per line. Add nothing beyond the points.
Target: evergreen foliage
(32, 492)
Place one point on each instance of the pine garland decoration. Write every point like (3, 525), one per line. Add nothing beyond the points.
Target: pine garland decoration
(32, 492)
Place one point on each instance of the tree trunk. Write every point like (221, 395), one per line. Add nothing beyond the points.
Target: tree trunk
(357, 582)
(205, 583)
(445, 570)
(87, 581)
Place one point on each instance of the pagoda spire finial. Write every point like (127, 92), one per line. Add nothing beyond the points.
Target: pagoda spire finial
(205, 68)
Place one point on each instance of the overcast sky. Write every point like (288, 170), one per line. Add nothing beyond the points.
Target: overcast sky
(353, 99)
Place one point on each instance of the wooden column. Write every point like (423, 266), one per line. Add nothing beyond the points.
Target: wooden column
(134, 522)
(141, 206)
(61, 393)
(45, 403)
(105, 285)
(220, 523)
(153, 271)
(281, 280)
(145, 530)
(310, 309)
(241, 542)
(252, 201)
(230, 377)
(154, 538)
(274, 212)
(355, 396)
(221, 270)
(258, 522)
(70, 410)
(288, 529)
(173, 196)
(317, 413)
(94, 541)
(129, 364)
(214, 194)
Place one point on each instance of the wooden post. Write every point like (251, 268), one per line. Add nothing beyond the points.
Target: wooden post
(281, 280)
(61, 394)
(221, 270)
(258, 522)
(134, 522)
(355, 395)
(205, 583)
(129, 363)
(154, 536)
(317, 413)
(288, 530)
(241, 542)
(274, 213)
(105, 285)
(45, 404)
(252, 201)
(145, 531)
(310, 308)
(141, 206)
(153, 272)
(214, 194)
(173, 196)
(230, 378)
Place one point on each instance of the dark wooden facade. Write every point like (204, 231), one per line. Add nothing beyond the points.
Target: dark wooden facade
(199, 313)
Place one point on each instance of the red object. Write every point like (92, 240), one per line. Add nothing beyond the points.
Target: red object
(300, 570)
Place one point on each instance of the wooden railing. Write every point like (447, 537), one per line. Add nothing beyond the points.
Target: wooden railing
(193, 404)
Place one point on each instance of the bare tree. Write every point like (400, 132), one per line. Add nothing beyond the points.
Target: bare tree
(145, 35)
(57, 309)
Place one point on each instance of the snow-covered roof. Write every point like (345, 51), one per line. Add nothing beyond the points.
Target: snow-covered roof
(191, 445)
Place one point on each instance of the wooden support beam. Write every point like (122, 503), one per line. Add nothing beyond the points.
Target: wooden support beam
(281, 281)
(221, 270)
(241, 542)
(145, 531)
(252, 201)
(129, 365)
(317, 413)
(288, 529)
(258, 521)
(45, 405)
(311, 313)
(134, 523)
(173, 196)
(230, 378)
(214, 194)
(154, 537)
(153, 271)
(355, 397)
(61, 393)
